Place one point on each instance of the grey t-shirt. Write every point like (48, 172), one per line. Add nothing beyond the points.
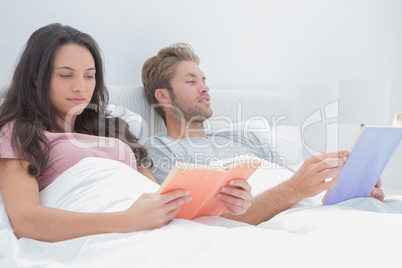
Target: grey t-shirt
(165, 151)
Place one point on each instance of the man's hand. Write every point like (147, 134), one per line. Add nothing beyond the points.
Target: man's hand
(377, 192)
(311, 178)
(308, 181)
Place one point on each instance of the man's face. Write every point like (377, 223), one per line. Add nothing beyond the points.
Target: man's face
(190, 93)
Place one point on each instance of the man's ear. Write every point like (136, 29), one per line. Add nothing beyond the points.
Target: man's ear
(162, 95)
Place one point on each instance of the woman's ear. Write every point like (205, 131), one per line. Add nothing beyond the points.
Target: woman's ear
(34, 80)
(162, 95)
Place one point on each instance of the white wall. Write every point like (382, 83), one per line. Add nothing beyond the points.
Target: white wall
(303, 47)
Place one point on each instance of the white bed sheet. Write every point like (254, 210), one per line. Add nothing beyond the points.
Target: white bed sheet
(357, 233)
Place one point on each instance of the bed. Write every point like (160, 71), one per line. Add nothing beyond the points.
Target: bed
(361, 232)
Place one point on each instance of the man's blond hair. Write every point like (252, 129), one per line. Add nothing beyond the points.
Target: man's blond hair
(158, 70)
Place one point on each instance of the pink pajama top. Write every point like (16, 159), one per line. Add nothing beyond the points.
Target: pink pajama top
(67, 149)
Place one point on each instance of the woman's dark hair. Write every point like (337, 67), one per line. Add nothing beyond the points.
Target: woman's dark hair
(27, 102)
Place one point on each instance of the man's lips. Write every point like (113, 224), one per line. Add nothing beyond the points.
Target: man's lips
(204, 99)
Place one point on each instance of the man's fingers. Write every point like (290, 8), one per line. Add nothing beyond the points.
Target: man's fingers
(328, 185)
(327, 171)
(332, 162)
(335, 154)
(377, 192)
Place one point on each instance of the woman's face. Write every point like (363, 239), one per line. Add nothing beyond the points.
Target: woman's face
(72, 83)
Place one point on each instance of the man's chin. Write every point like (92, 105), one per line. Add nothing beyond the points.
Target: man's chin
(208, 113)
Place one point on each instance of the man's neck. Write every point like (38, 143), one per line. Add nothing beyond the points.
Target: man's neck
(179, 131)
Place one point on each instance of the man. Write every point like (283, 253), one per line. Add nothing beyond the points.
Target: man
(176, 87)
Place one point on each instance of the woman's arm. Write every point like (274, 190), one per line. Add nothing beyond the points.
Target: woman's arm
(29, 219)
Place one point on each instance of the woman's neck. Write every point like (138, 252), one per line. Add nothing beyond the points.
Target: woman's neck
(67, 124)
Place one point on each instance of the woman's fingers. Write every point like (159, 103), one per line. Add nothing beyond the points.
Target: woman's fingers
(174, 199)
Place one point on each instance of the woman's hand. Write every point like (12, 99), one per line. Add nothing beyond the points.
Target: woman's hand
(152, 211)
(236, 196)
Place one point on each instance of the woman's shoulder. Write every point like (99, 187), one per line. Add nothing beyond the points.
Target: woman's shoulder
(7, 128)
(6, 148)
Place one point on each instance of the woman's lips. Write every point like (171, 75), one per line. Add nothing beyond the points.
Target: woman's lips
(77, 100)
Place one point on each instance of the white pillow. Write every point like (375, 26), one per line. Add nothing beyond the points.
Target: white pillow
(133, 120)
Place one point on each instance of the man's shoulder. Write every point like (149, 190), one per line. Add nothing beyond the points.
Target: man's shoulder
(159, 138)
(156, 140)
(163, 141)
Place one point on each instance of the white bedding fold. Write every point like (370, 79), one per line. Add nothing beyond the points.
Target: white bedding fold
(96, 185)
(356, 233)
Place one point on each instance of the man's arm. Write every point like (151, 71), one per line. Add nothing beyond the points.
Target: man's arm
(308, 181)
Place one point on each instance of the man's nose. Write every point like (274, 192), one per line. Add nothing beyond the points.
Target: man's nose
(204, 88)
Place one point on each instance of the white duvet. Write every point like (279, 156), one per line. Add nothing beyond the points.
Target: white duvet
(357, 233)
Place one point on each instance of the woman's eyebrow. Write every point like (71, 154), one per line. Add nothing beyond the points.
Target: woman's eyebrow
(72, 69)
(65, 67)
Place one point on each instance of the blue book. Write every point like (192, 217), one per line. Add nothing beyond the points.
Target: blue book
(365, 164)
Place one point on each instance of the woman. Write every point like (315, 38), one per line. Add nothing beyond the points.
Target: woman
(58, 95)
